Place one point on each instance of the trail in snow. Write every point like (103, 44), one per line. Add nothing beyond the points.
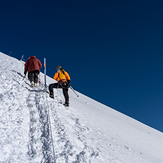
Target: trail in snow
(39, 127)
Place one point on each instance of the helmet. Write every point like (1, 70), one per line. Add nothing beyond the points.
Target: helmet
(59, 68)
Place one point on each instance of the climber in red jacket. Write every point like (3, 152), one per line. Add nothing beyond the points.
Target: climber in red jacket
(33, 66)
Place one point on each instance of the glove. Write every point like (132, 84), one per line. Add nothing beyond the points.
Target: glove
(69, 83)
(25, 72)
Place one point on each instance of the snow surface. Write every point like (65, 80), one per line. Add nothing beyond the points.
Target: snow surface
(86, 132)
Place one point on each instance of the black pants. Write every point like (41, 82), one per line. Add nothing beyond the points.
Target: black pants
(33, 76)
(59, 85)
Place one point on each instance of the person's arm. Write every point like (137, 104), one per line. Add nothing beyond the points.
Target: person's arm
(40, 65)
(68, 79)
(69, 83)
(55, 76)
(67, 76)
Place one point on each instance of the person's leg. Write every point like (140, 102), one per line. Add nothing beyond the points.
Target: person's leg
(36, 76)
(51, 86)
(65, 93)
(31, 76)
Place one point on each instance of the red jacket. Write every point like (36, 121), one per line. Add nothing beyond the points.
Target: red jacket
(32, 64)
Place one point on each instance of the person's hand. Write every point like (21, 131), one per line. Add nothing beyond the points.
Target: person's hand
(25, 72)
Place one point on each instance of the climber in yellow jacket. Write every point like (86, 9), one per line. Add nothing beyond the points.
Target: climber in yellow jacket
(64, 82)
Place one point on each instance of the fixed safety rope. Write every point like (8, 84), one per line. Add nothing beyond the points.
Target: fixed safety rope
(50, 128)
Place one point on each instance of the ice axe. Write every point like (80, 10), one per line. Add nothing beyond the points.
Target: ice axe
(74, 91)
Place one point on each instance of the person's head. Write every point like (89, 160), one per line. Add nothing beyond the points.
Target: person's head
(32, 57)
(59, 69)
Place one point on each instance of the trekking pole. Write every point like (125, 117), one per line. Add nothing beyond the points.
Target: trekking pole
(24, 77)
(74, 91)
(39, 79)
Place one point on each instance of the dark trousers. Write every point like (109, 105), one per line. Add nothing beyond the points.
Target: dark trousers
(33, 76)
(59, 85)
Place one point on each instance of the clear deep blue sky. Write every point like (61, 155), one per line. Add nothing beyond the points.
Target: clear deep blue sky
(112, 49)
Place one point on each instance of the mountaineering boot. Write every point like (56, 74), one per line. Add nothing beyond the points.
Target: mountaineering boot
(32, 84)
(35, 84)
(66, 104)
(51, 95)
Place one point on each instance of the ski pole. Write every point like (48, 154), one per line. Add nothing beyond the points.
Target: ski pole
(74, 91)
(24, 77)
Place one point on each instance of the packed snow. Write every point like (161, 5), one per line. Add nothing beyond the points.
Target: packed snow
(37, 129)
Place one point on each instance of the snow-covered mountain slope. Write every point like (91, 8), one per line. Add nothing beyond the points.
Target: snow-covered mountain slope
(86, 132)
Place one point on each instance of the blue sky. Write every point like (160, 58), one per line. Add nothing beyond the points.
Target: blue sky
(113, 50)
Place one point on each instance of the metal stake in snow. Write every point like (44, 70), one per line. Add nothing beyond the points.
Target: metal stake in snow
(22, 58)
(45, 72)
(10, 53)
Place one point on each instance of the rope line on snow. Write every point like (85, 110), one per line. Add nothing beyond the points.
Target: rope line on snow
(50, 128)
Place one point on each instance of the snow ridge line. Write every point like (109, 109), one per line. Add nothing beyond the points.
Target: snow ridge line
(50, 128)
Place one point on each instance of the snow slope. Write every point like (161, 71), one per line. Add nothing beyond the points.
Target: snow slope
(86, 132)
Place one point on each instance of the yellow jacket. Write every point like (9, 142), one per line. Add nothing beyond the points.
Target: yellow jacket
(63, 76)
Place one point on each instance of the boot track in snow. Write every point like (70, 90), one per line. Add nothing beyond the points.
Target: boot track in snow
(39, 128)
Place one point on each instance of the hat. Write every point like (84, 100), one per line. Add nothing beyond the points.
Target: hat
(59, 68)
